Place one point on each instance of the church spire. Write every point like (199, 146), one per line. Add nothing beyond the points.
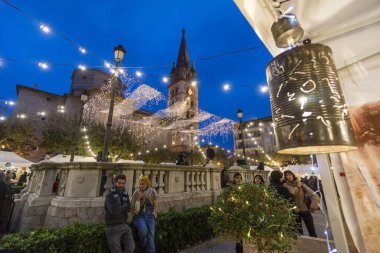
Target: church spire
(183, 54)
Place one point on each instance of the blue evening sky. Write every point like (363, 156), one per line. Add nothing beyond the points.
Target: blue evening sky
(150, 30)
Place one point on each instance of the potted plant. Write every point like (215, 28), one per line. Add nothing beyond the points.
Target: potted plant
(257, 216)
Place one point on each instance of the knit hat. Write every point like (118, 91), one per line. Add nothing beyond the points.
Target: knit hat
(146, 180)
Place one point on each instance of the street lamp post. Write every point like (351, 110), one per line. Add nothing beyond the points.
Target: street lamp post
(240, 116)
(192, 145)
(83, 99)
(119, 54)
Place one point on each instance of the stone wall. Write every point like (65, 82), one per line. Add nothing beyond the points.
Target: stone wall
(79, 199)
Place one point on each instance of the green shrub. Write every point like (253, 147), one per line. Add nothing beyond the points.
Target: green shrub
(74, 238)
(16, 189)
(178, 230)
(174, 231)
(256, 214)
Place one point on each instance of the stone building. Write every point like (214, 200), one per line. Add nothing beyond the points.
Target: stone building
(183, 88)
(257, 133)
(39, 105)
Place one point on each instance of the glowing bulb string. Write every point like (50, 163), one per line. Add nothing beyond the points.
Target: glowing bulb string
(327, 225)
(47, 29)
(83, 50)
(162, 77)
(86, 137)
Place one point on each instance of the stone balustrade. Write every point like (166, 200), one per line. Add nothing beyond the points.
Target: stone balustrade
(82, 187)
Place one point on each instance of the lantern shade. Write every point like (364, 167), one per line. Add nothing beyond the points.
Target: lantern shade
(119, 52)
(309, 111)
(239, 113)
(286, 31)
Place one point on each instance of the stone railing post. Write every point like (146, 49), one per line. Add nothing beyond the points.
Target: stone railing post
(203, 181)
(153, 179)
(187, 181)
(137, 179)
(195, 181)
(107, 185)
(62, 183)
(161, 183)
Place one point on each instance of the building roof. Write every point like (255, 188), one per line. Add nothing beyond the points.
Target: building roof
(20, 87)
(183, 59)
(92, 70)
(264, 119)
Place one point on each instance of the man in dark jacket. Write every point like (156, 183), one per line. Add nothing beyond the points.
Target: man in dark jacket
(117, 205)
(277, 185)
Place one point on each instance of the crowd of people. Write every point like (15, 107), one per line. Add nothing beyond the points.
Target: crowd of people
(296, 191)
(8, 179)
(141, 209)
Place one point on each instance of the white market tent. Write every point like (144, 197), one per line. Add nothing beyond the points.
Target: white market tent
(129, 161)
(302, 169)
(10, 160)
(266, 168)
(66, 158)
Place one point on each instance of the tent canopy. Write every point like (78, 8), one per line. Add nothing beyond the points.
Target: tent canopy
(11, 159)
(66, 158)
(302, 169)
(129, 161)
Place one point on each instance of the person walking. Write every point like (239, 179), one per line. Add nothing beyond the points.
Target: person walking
(238, 179)
(8, 177)
(5, 203)
(299, 191)
(117, 205)
(144, 210)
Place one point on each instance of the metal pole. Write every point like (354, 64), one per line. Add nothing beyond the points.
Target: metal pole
(192, 150)
(242, 139)
(332, 202)
(76, 135)
(110, 114)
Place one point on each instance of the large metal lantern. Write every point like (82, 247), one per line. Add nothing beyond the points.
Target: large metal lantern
(309, 111)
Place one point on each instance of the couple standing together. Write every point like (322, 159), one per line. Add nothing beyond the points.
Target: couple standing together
(143, 208)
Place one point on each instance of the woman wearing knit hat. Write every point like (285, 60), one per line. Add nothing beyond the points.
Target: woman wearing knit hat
(144, 210)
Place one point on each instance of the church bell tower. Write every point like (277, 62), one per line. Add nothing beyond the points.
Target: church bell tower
(183, 96)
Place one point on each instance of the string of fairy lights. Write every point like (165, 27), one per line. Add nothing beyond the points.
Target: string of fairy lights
(131, 80)
(149, 130)
(214, 127)
(45, 65)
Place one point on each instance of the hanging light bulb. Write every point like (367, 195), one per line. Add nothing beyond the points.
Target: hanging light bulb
(286, 31)
(82, 50)
(45, 28)
(43, 65)
(139, 74)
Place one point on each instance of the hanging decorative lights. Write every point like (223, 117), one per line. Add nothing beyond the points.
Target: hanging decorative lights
(308, 106)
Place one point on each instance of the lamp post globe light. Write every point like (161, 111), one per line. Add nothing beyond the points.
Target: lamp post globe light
(240, 116)
(119, 53)
(83, 99)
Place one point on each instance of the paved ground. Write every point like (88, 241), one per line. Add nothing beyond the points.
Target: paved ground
(228, 245)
